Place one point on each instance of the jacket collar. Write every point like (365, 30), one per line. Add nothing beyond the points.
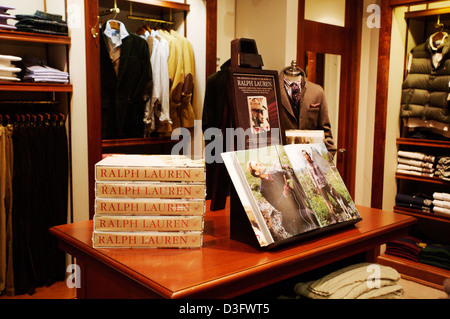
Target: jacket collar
(445, 47)
(284, 97)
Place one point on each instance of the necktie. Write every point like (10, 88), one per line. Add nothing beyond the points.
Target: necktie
(295, 92)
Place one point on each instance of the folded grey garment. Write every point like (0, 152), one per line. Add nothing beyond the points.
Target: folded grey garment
(362, 280)
(445, 160)
(417, 155)
(441, 196)
(403, 171)
(441, 203)
(412, 162)
(415, 168)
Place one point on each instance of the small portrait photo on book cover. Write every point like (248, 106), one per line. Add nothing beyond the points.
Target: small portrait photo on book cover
(259, 115)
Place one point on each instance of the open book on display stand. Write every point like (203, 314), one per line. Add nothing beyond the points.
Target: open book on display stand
(287, 193)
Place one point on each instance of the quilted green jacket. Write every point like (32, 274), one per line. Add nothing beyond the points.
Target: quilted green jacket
(426, 88)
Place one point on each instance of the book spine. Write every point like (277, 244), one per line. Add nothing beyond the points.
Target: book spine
(161, 174)
(150, 190)
(148, 223)
(132, 206)
(147, 239)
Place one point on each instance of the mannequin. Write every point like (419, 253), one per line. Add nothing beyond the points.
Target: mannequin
(307, 111)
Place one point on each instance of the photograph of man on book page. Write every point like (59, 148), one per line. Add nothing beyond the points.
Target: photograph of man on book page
(277, 192)
(259, 116)
(322, 183)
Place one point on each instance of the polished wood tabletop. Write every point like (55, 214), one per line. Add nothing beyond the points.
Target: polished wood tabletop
(223, 267)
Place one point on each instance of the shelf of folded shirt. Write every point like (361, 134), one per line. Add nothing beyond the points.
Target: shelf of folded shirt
(416, 271)
(430, 144)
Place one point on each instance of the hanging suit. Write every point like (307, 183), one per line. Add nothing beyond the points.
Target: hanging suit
(123, 92)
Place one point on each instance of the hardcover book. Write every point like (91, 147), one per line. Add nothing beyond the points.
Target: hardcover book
(290, 191)
(148, 223)
(150, 190)
(147, 239)
(149, 206)
(164, 168)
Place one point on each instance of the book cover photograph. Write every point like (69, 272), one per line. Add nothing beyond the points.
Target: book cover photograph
(289, 190)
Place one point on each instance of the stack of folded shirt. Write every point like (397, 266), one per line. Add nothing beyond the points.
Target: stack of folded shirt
(7, 69)
(436, 255)
(360, 281)
(419, 202)
(42, 22)
(415, 163)
(408, 247)
(443, 168)
(37, 71)
(441, 204)
(4, 16)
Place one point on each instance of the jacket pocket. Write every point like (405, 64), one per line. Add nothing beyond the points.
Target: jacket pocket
(313, 116)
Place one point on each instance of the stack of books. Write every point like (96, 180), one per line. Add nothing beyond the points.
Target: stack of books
(149, 201)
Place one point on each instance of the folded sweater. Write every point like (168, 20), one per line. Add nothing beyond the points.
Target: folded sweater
(360, 281)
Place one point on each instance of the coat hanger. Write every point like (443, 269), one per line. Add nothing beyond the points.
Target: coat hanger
(440, 35)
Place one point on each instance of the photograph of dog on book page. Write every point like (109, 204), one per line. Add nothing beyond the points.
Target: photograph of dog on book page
(289, 190)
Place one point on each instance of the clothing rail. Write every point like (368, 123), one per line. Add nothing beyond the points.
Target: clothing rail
(134, 17)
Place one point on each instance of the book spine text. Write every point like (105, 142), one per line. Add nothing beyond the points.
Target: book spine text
(147, 239)
(150, 190)
(148, 223)
(120, 173)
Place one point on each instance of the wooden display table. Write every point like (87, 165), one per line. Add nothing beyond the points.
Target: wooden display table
(223, 268)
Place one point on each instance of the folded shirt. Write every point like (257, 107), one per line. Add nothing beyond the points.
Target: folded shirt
(441, 196)
(441, 211)
(436, 255)
(402, 171)
(42, 22)
(417, 156)
(413, 199)
(413, 162)
(441, 203)
(408, 247)
(415, 168)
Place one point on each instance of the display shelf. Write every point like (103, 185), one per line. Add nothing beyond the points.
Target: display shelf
(423, 143)
(417, 178)
(419, 214)
(416, 271)
(34, 37)
(35, 87)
